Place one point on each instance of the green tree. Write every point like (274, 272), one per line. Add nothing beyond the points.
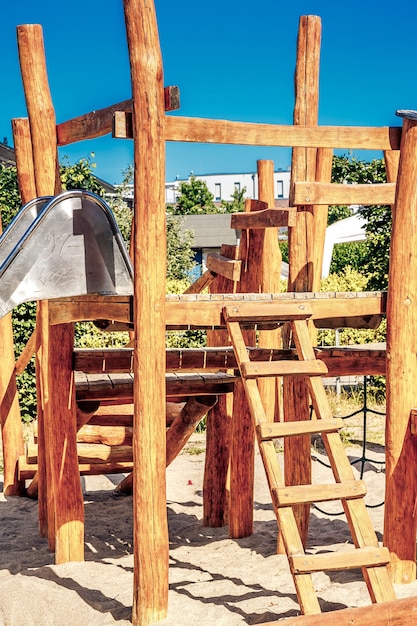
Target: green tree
(372, 256)
(236, 204)
(194, 197)
(80, 175)
(180, 255)
(10, 201)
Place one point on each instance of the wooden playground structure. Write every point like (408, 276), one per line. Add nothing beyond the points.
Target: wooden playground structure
(104, 388)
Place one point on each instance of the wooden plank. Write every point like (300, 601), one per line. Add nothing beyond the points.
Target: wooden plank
(118, 308)
(203, 310)
(354, 360)
(268, 218)
(287, 429)
(201, 130)
(316, 193)
(394, 613)
(352, 559)
(308, 494)
(229, 268)
(268, 312)
(283, 368)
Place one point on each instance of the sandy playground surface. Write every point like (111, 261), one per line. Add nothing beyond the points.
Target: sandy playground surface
(213, 579)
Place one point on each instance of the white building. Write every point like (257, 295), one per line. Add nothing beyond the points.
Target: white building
(222, 186)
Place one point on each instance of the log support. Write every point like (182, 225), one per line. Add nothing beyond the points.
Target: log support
(400, 523)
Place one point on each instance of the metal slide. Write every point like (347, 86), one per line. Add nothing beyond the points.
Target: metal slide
(62, 246)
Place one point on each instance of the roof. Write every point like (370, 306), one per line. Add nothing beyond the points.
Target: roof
(7, 155)
(210, 231)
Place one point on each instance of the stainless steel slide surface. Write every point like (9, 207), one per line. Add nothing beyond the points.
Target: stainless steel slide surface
(67, 245)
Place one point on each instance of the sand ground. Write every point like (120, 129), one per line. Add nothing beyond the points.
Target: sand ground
(213, 579)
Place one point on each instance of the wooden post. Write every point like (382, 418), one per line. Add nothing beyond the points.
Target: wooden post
(401, 446)
(27, 187)
(242, 446)
(300, 247)
(151, 548)
(219, 420)
(271, 283)
(11, 425)
(63, 490)
(320, 213)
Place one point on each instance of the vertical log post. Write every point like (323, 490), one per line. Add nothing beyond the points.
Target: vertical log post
(151, 548)
(219, 418)
(242, 447)
(300, 248)
(11, 425)
(320, 213)
(270, 283)
(63, 490)
(27, 187)
(400, 523)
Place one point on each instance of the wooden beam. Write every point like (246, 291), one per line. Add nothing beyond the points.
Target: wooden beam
(202, 282)
(309, 193)
(266, 218)
(28, 471)
(229, 268)
(201, 130)
(194, 310)
(100, 122)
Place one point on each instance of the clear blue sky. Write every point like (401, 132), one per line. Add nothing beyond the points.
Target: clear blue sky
(232, 59)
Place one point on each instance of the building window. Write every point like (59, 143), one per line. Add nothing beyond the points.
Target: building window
(237, 187)
(280, 189)
(217, 192)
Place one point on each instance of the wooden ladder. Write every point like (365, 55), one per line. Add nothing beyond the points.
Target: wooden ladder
(367, 555)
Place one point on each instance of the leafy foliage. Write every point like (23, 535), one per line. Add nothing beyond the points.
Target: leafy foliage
(236, 204)
(194, 198)
(80, 176)
(180, 256)
(372, 256)
(350, 254)
(350, 280)
(10, 201)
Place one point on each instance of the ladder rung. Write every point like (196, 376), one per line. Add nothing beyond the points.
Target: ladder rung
(360, 557)
(252, 369)
(267, 311)
(275, 430)
(303, 494)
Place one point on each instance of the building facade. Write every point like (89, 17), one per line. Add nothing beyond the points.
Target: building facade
(222, 186)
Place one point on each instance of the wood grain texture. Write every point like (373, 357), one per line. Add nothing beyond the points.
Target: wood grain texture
(151, 547)
(400, 522)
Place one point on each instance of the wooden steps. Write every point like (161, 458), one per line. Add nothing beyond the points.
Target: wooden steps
(366, 553)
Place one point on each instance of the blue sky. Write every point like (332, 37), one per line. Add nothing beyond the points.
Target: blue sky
(232, 59)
